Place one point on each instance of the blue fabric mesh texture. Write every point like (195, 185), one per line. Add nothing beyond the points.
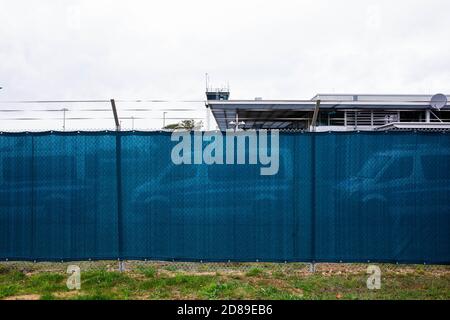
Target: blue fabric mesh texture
(351, 197)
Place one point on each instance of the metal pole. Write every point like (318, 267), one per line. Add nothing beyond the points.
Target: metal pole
(208, 121)
(313, 202)
(119, 183)
(64, 118)
(427, 115)
(435, 116)
(116, 118)
(164, 119)
(315, 114)
(121, 266)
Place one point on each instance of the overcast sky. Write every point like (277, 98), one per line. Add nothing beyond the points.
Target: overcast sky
(89, 49)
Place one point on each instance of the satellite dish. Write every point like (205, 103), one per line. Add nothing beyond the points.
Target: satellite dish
(438, 101)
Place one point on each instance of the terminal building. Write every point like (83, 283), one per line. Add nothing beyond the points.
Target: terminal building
(332, 112)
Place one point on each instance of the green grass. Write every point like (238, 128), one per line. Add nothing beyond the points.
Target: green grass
(259, 282)
(45, 283)
(254, 272)
(149, 272)
(8, 290)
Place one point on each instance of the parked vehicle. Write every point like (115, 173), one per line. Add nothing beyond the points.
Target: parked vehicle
(167, 211)
(45, 201)
(406, 190)
(404, 181)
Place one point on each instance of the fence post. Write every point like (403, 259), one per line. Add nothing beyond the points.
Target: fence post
(119, 197)
(121, 266)
(295, 196)
(119, 187)
(33, 200)
(313, 201)
(116, 117)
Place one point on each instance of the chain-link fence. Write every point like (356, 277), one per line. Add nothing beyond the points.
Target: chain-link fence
(350, 197)
(198, 268)
(137, 265)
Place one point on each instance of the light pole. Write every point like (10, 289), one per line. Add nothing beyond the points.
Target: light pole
(164, 119)
(64, 117)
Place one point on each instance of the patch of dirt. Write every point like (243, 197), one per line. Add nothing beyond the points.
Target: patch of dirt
(25, 297)
(177, 295)
(167, 273)
(202, 273)
(329, 269)
(68, 294)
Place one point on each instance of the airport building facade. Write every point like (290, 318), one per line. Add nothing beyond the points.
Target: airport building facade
(331, 112)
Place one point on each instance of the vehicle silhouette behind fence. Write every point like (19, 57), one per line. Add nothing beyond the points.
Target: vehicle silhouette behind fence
(337, 197)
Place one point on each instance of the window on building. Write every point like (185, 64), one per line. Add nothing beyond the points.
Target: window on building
(442, 115)
(412, 116)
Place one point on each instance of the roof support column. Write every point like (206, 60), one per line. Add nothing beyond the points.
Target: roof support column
(314, 118)
(427, 115)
